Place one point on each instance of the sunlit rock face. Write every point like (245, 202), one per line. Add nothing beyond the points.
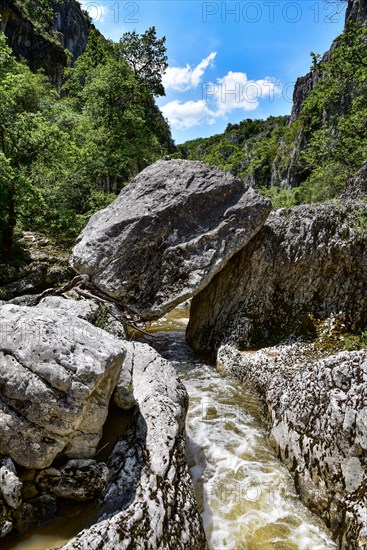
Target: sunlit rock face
(167, 234)
(57, 374)
(149, 502)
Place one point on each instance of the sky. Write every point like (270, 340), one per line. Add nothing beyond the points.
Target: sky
(227, 60)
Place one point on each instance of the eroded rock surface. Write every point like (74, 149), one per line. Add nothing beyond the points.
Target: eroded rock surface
(149, 502)
(77, 480)
(318, 413)
(305, 264)
(167, 234)
(57, 374)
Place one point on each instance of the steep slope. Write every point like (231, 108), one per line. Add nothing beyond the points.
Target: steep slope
(42, 36)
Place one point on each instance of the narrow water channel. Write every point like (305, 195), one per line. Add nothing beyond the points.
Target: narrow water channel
(246, 496)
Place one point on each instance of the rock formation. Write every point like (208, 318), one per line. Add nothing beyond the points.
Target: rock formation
(306, 264)
(41, 51)
(56, 378)
(167, 234)
(149, 502)
(73, 24)
(57, 374)
(318, 414)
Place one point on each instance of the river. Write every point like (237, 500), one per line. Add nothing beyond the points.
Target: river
(246, 495)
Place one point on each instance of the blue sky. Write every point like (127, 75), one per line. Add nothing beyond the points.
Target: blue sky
(227, 60)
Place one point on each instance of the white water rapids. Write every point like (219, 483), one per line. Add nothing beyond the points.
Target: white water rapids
(246, 494)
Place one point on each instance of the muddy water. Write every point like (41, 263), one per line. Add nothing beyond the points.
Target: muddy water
(247, 496)
(72, 516)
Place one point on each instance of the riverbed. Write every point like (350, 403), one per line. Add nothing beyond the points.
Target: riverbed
(245, 494)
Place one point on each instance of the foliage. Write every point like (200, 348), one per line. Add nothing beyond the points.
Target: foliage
(146, 56)
(62, 157)
(315, 154)
(42, 15)
(355, 341)
(246, 149)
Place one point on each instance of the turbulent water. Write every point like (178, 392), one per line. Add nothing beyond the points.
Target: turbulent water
(246, 495)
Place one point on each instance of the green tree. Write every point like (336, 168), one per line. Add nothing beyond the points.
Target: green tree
(146, 56)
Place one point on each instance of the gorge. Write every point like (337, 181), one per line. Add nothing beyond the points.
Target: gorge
(187, 287)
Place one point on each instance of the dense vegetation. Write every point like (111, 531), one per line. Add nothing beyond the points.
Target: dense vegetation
(64, 155)
(309, 160)
(247, 149)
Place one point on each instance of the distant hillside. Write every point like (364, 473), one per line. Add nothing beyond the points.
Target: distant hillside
(247, 149)
(310, 156)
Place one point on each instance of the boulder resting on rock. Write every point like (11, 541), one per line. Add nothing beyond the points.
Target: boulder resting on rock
(167, 234)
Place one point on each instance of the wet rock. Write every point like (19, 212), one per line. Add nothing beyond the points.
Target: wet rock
(167, 234)
(318, 413)
(34, 513)
(57, 374)
(149, 502)
(77, 480)
(305, 265)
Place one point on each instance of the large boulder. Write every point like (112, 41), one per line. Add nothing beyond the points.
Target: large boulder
(57, 374)
(317, 407)
(305, 264)
(149, 502)
(167, 234)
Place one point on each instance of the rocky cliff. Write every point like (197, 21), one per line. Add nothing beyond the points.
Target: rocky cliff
(42, 49)
(357, 12)
(306, 264)
(73, 24)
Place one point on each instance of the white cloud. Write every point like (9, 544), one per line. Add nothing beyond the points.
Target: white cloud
(188, 114)
(235, 91)
(232, 92)
(186, 78)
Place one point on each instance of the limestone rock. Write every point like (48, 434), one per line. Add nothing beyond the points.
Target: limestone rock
(356, 187)
(306, 264)
(84, 309)
(123, 395)
(10, 485)
(149, 502)
(318, 413)
(57, 374)
(167, 234)
(76, 480)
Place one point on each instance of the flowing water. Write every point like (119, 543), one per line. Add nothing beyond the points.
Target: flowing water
(245, 494)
